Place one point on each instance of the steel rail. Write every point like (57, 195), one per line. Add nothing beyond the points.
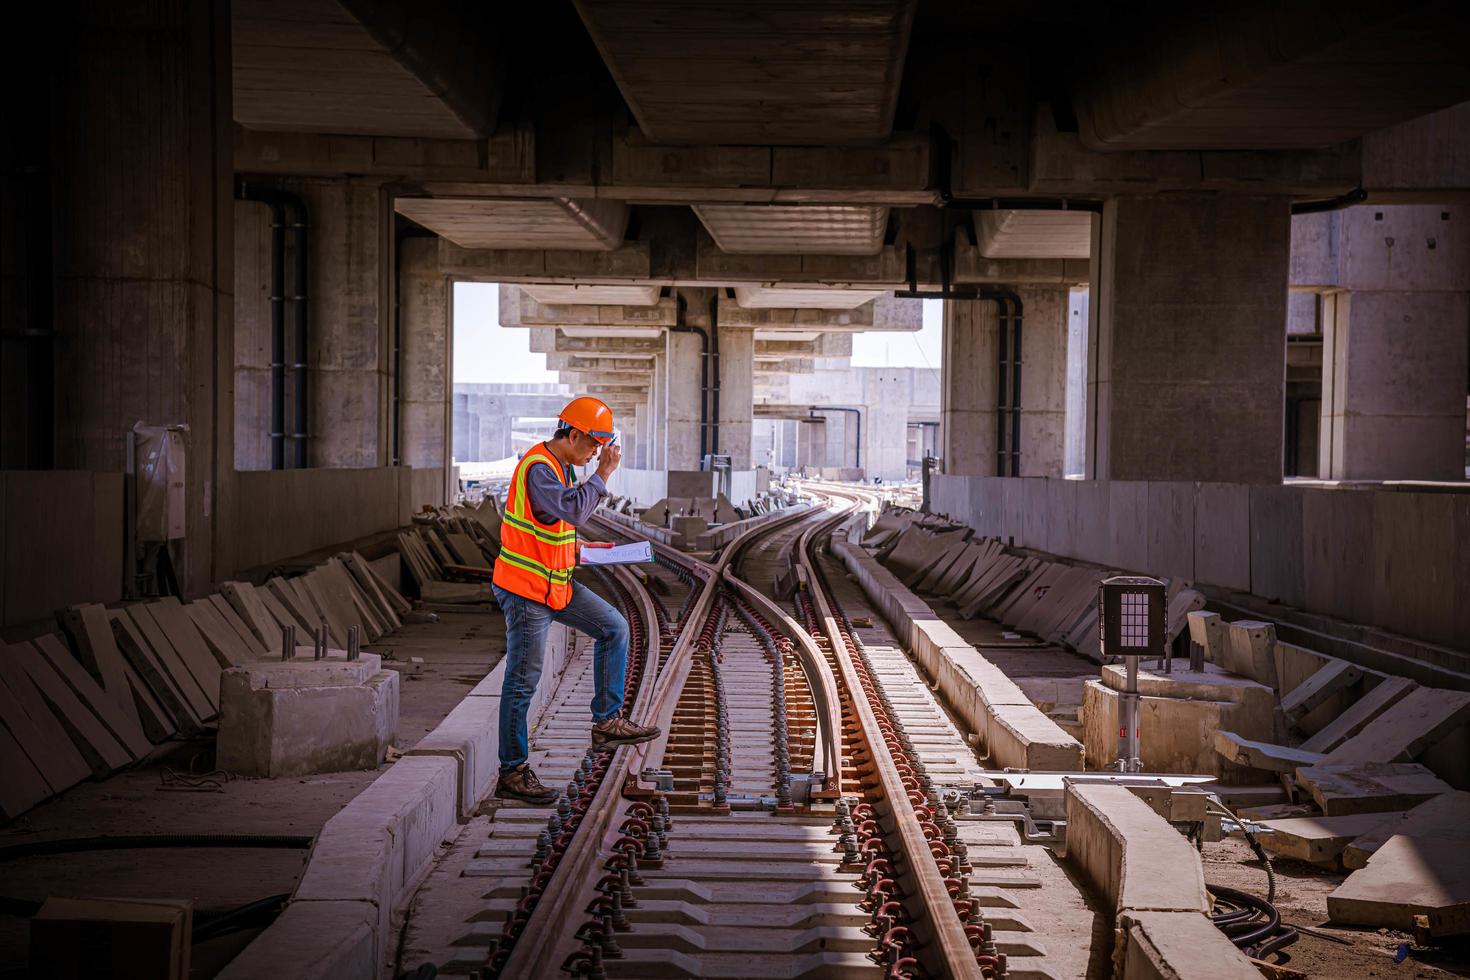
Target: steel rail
(946, 947)
(538, 949)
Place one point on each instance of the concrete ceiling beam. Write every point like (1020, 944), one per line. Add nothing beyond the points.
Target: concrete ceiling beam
(560, 223)
(365, 67)
(763, 72)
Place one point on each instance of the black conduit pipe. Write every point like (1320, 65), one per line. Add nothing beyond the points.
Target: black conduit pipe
(1009, 314)
(288, 213)
(680, 326)
(714, 344)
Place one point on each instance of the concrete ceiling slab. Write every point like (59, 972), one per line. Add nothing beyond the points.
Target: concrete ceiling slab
(795, 229)
(761, 72)
(360, 67)
(1034, 234)
(521, 223)
(760, 297)
(576, 294)
(584, 331)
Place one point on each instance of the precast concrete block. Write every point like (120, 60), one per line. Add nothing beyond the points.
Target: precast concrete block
(297, 717)
(313, 941)
(376, 848)
(470, 736)
(1130, 854)
(1178, 946)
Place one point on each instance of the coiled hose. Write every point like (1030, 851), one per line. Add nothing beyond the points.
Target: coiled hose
(1253, 924)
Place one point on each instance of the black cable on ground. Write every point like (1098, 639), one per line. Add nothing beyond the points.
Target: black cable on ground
(1252, 924)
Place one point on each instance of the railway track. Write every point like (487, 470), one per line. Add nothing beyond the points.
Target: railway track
(805, 814)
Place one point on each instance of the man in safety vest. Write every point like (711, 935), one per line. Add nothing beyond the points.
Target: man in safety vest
(533, 583)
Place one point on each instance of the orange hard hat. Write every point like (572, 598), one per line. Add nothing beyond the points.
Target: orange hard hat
(590, 415)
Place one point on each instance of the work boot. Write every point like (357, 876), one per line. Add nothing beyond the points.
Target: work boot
(618, 730)
(521, 784)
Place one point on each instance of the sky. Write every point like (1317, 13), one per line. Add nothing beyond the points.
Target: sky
(486, 352)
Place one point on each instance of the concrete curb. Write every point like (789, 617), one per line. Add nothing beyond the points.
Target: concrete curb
(1140, 865)
(370, 857)
(1015, 732)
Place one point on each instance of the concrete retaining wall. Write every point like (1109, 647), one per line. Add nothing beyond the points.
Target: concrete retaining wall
(368, 859)
(1382, 556)
(1151, 877)
(1015, 733)
(284, 513)
(61, 541)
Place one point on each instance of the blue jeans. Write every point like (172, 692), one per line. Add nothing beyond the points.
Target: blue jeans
(526, 623)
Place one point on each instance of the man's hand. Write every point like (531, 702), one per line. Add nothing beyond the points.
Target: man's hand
(612, 456)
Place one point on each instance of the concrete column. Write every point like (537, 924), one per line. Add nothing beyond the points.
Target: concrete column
(967, 387)
(1190, 317)
(1074, 451)
(811, 446)
(681, 424)
(658, 415)
(1046, 313)
(886, 399)
(1395, 343)
(737, 390)
(425, 417)
(142, 249)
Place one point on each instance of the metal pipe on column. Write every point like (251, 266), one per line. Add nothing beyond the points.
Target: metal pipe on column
(680, 326)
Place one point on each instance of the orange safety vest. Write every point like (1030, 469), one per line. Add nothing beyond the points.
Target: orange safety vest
(536, 560)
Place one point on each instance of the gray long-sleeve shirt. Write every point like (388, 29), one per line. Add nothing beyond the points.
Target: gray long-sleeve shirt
(551, 500)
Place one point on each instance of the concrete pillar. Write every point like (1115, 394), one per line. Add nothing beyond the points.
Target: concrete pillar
(142, 249)
(1395, 343)
(737, 390)
(1046, 313)
(1190, 321)
(967, 387)
(425, 413)
(1074, 451)
(886, 400)
(681, 424)
(811, 446)
(658, 416)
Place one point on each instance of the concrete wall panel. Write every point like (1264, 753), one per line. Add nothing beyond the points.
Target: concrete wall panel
(1170, 530)
(1413, 562)
(289, 512)
(1128, 519)
(1276, 544)
(1221, 535)
(61, 539)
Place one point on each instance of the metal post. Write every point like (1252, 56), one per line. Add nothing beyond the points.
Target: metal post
(1128, 753)
(288, 642)
(354, 641)
(321, 640)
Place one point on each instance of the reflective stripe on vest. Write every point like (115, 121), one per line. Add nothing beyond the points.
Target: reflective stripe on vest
(536, 559)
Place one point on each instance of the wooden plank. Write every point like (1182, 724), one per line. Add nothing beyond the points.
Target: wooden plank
(1369, 787)
(1262, 755)
(227, 647)
(1319, 839)
(368, 583)
(121, 724)
(1442, 817)
(57, 710)
(1358, 714)
(204, 700)
(23, 786)
(340, 615)
(467, 549)
(280, 615)
(45, 743)
(1327, 680)
(247, 603)
(150, 668)
(345, 592)
(400, 604)
(302, 610)
(242, 629)
(1407, 729)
